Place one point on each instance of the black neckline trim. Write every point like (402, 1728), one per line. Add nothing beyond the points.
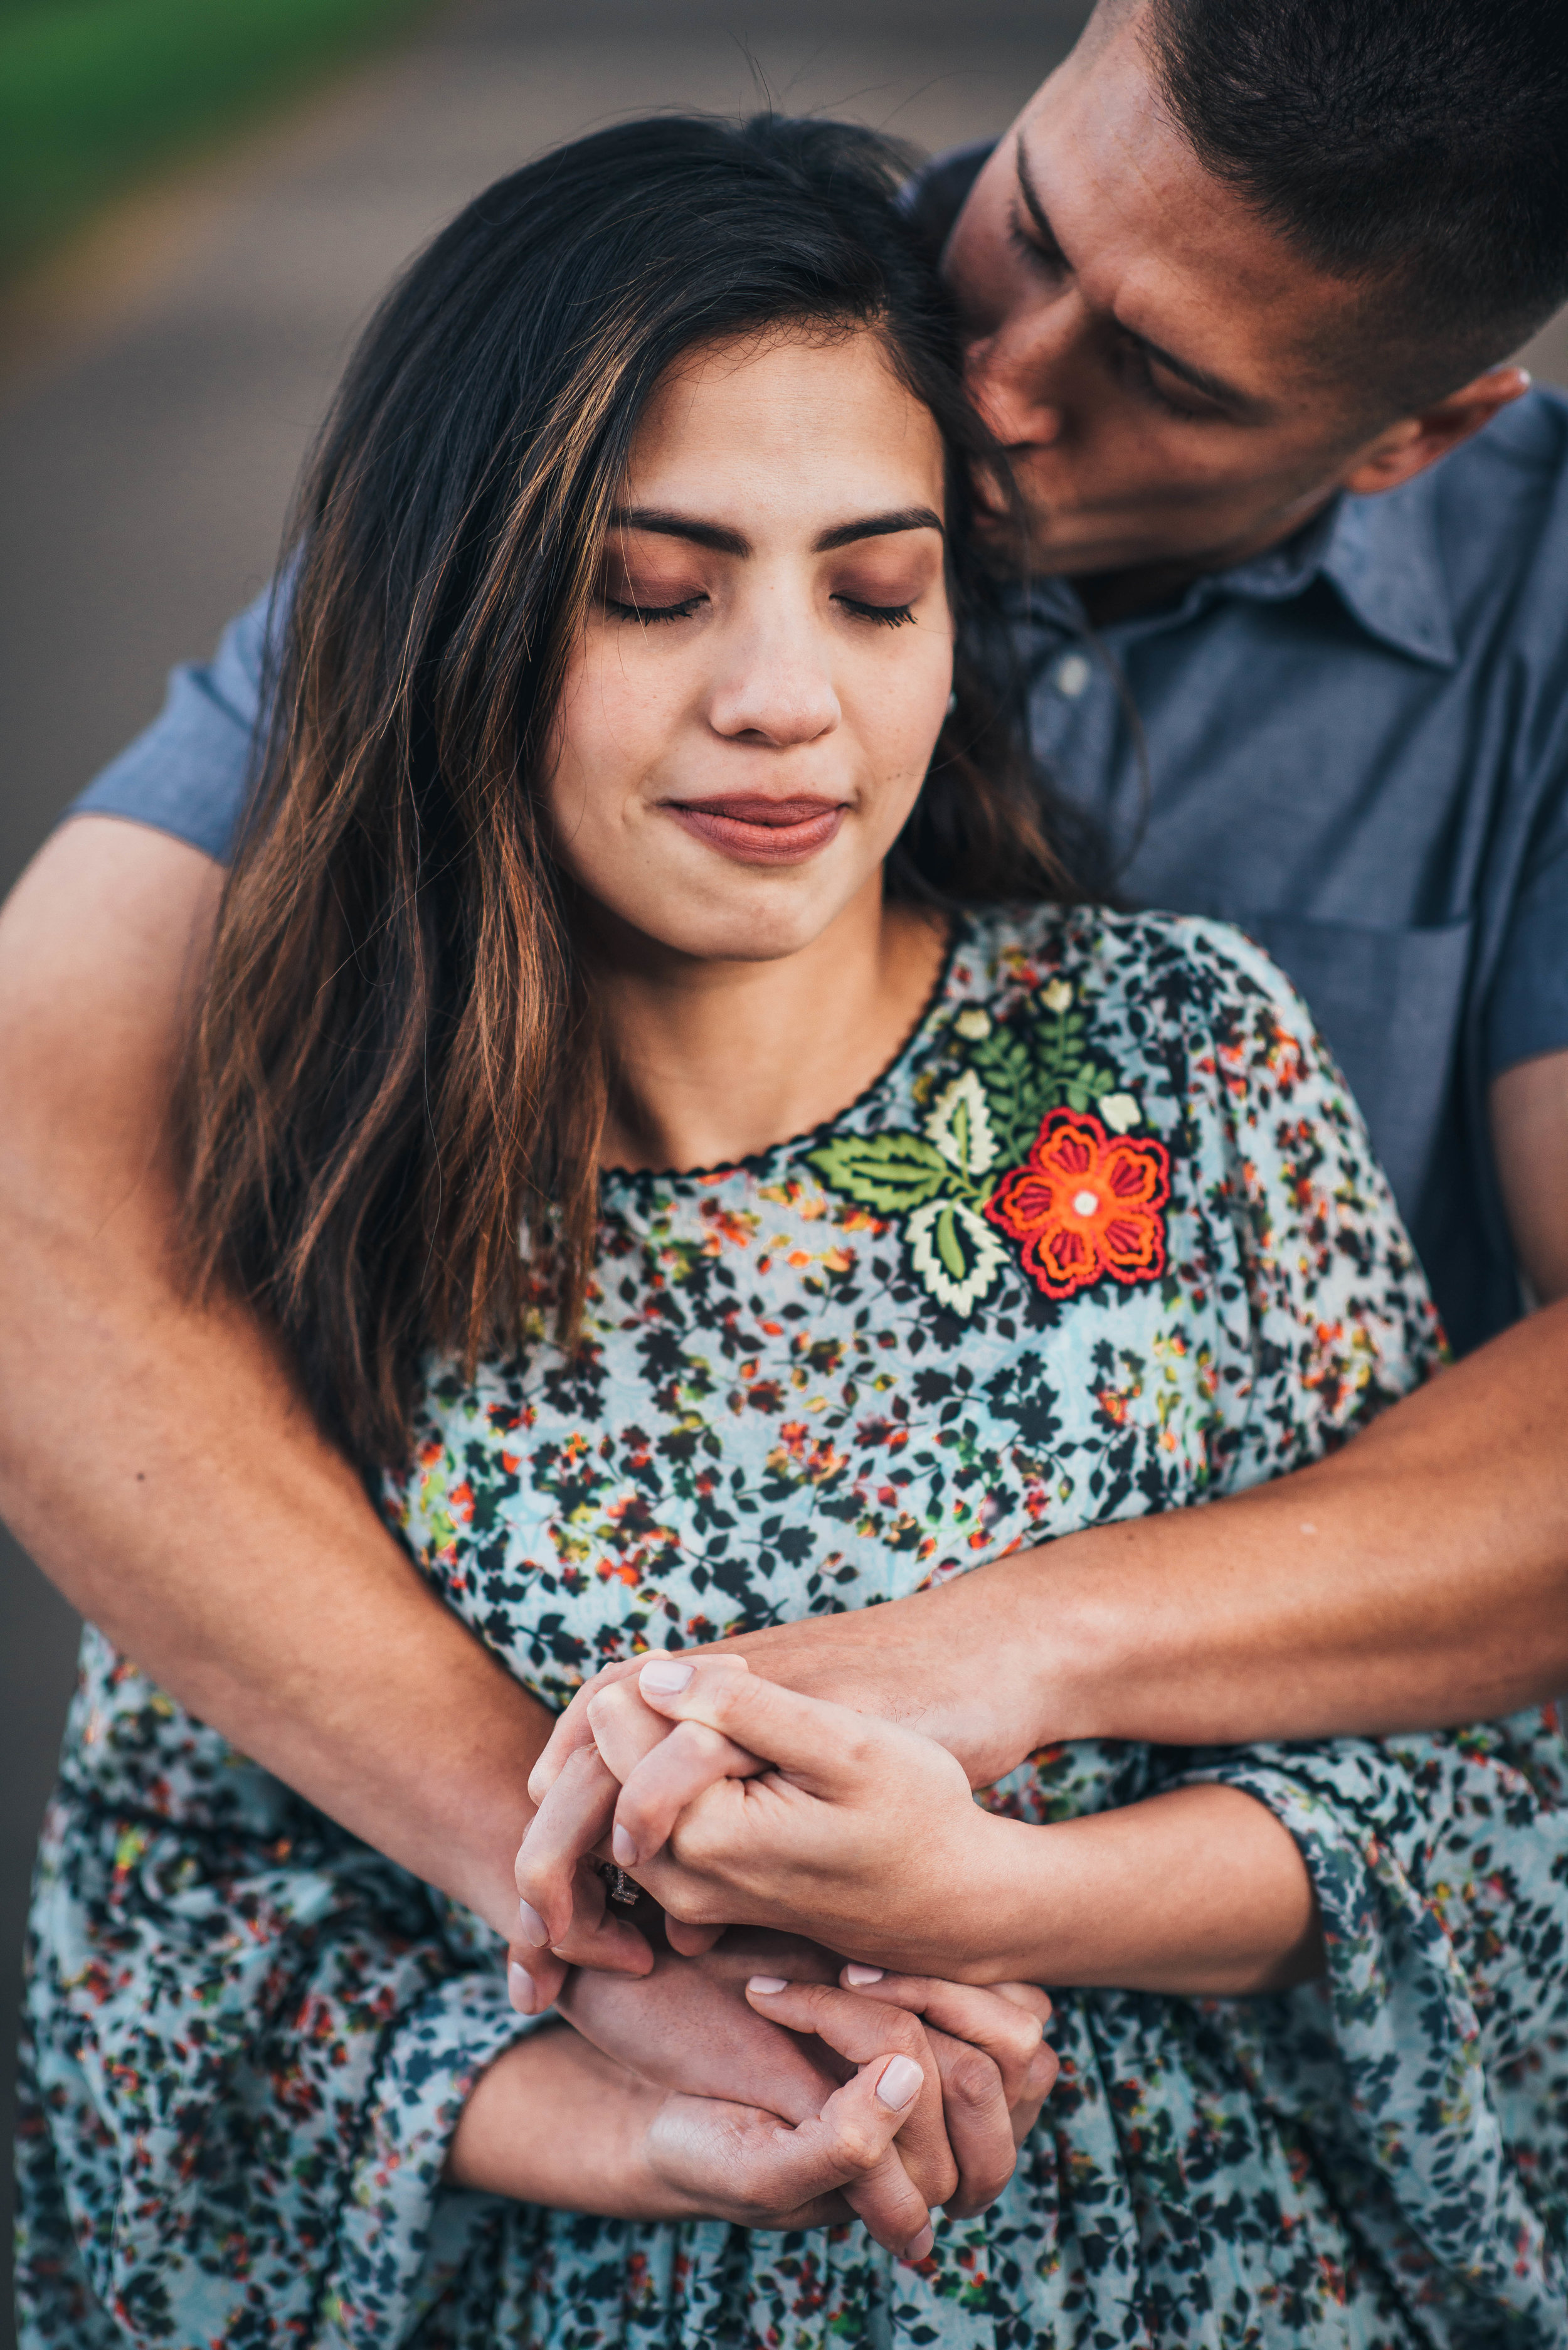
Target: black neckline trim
(756, 1162)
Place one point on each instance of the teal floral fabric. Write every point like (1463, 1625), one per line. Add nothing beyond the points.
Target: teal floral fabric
(1105, 1239)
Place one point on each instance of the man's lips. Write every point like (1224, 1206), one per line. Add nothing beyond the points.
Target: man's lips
(761, 831)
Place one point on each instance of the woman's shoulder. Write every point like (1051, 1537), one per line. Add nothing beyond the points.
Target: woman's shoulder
(1169, 960)
(1194, 1002)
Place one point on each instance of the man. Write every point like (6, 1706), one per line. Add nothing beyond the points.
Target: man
(1236, 283)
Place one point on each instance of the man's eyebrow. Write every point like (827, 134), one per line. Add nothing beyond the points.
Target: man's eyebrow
(1034, 206)
(1213, 387)
(731, 542)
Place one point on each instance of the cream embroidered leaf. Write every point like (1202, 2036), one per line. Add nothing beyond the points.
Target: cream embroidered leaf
(960, 1125)
(956, 1256)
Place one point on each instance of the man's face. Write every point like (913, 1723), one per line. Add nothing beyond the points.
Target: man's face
(1168, 375)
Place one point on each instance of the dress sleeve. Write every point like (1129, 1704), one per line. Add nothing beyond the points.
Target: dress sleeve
(1330, 1311)
(251, 2040)
(188, 773)
(1427, 2073)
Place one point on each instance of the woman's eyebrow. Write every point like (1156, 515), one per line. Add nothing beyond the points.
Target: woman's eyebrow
(665, 525)
(676, 525)
(882, 525)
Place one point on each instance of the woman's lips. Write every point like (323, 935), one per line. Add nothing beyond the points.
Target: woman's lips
(762, 831)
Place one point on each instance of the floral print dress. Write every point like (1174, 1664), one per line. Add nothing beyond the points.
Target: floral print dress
(1105, 1239)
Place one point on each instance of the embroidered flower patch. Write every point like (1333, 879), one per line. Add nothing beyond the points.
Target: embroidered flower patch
(1085, 1204)
(1080, 1196)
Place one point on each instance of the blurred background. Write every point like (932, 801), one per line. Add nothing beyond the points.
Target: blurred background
(198, 205)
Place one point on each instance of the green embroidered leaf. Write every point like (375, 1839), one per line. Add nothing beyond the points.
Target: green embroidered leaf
(1087, 1085)
(889, 1172)
(1005, 1067)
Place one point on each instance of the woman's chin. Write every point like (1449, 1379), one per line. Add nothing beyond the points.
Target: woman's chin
(775, 918)
(746, 941)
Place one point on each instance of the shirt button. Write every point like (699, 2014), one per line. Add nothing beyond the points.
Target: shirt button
(1071, 675)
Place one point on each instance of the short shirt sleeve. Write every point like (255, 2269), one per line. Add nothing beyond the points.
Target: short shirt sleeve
(1528, 1011)
(189, 772)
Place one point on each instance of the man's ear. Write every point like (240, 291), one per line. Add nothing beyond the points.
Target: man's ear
(1407, 448)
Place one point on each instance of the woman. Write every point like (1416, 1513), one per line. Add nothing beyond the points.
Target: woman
(637, 801)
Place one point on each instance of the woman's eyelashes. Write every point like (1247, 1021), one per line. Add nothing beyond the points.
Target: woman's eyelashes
(886, 615)
(634, 608)
(625, 599)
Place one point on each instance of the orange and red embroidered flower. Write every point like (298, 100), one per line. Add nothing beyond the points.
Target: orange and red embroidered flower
(1085, 1204)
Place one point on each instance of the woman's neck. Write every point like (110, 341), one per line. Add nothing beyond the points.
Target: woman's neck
(714, 1061)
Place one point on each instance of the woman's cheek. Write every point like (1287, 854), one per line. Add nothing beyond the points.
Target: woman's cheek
(903, 708)
(615, 717)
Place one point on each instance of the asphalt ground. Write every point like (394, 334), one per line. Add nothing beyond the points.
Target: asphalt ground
(159, 382)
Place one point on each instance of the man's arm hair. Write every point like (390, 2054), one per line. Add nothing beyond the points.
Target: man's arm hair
(154, 1456)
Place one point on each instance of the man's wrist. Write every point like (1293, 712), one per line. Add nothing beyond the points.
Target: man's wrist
(482, 1872)
(1035, 1648)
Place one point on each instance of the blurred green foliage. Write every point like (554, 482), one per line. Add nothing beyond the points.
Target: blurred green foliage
(94, 91)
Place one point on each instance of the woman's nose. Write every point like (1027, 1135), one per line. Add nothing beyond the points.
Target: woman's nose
(779, 689)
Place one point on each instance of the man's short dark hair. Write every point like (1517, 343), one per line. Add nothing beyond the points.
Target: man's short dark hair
(1415, 148)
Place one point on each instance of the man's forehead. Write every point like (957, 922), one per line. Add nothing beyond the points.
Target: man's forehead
(1157, 241)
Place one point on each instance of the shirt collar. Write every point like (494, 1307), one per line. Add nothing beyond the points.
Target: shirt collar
(1383, 558)
(1380, 555)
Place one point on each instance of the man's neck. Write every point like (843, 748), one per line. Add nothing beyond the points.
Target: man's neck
(1108, 596)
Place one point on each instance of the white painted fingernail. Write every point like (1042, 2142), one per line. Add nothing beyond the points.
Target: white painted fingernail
(664, 1679)
(918, 2246)
(863, 1974)
(520, 1988)
(535, 1929)
(900, 2081)
(767, 1985)
(624, 1846)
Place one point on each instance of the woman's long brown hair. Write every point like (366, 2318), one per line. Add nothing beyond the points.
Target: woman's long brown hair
(397, 1085)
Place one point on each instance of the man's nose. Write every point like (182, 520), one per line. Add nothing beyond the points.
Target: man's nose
(777, 688)
(1009, 380)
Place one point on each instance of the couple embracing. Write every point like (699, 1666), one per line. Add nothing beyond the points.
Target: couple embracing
(667, 1266)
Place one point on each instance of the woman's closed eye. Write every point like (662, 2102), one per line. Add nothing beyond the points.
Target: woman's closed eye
(632, 609)
(887, 616)
(630, 605)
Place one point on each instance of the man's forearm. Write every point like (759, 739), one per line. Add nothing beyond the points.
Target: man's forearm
(1415, 1579)
(155, 1457)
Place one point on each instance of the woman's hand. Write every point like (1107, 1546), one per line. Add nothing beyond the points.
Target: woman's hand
(851, 1819)
(564, 1918)
(863, 1834)
(996, 2069)
(702, 2026)
(554, 2122)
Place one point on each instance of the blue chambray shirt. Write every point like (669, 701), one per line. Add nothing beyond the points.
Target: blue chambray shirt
(1357, 749)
